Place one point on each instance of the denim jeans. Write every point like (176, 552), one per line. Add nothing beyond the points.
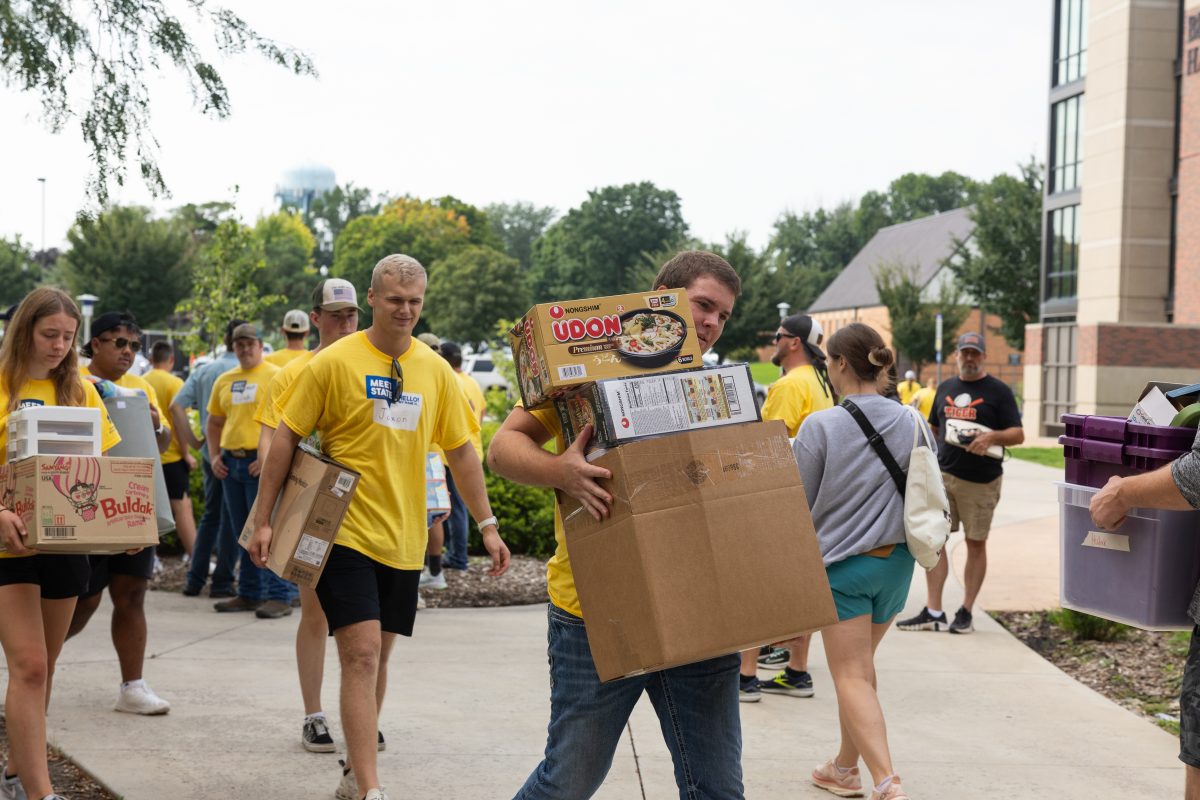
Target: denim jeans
(697, 707)
(254, 583)
(457, 527)
(212, 533)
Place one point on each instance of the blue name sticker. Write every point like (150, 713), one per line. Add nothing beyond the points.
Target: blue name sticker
(380, 387)
(29, 402)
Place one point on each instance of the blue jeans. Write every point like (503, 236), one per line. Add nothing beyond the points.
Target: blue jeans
(254, 583)
(457, 527)
(697, 707)
(213, 534)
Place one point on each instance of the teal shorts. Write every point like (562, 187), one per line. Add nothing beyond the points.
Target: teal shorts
(868, 585)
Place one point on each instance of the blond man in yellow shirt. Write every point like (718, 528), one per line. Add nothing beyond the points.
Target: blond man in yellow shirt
(378, 400)
(232, 439)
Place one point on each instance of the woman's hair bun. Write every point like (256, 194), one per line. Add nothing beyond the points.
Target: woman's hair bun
(880, 357)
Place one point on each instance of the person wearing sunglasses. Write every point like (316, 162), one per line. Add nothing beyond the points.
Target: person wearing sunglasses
(802, 390)
(378, 399)
(116, 337)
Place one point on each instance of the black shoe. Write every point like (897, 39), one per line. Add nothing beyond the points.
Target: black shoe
(382, 744)
(962, 622)
(748, 691)
(315, 736)
(925, 622)
(237, 604)
(797, 684)
(190, 591)
(773, 658)
(216, 594)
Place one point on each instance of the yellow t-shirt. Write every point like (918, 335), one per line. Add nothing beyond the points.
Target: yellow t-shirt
(166, 386)
(345, 394)
(794, 396)
(41, 393)
(560, 580)
(235, 397)
(906, 390)
(924, 400)
(269, 410)
(475, 398)
(281, 358)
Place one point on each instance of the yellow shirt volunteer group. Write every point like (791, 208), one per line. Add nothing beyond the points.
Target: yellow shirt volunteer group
(907, 390)
(166, 386)
(345, 394)
(269, 411)
(235, 396)
(41, 393)
(281, 358)
(794, 396)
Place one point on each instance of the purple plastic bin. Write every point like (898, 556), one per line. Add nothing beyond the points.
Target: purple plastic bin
(1142, 574)
(1097, 448)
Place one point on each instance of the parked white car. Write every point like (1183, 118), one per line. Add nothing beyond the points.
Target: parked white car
(481, 367)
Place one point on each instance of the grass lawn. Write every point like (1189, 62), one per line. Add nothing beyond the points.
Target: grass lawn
(764, 372)
(1046, 456)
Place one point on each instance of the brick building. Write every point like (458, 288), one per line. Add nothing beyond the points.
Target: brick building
(1121, 257)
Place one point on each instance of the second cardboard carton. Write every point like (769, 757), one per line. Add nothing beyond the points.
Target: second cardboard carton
(557, 346)
(677, 572)
(307, 516)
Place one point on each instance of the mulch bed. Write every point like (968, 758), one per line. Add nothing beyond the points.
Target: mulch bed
(68, 779)
(1142, 671)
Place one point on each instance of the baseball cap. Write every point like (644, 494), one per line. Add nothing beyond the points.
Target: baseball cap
(295, 321)
(808, 330)
(333, 294)
(112, 319)
(971, 341)
(246, 330)
(430, 339)
(910, 375)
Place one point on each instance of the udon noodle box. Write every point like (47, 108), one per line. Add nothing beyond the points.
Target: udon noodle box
(559, 346)
(82, 504)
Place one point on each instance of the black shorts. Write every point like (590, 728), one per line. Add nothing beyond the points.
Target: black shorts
(140, 565)
(60, 575)
(1189, 705)
(176, 476)
(354, 588)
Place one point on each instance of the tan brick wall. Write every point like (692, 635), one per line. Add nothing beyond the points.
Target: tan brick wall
(1187, 214)
(1161, 346)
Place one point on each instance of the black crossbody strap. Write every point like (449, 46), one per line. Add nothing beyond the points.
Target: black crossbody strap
(876, 442)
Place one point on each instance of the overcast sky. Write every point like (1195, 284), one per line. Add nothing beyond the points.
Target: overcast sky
(744, 109)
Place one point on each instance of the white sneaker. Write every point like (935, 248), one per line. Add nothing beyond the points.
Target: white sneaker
(432, 581)
(348, 788)
(376, 794)
(420, 602)
(138, 698)
(10, 787)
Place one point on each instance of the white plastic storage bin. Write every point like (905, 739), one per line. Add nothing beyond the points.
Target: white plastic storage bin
(53, 431)
(1142, 574)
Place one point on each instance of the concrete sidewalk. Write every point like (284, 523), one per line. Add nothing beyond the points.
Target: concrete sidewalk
(968, 716)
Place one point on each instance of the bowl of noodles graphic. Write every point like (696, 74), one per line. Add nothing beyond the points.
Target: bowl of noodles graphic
(80, 483)
(651, 337)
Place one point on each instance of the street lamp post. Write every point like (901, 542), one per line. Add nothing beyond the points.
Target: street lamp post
(784, 308)
(87, 305)
(42, 181)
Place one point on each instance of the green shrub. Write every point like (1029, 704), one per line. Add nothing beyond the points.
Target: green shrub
(1086, 627)
(525, 514)
(747, 354)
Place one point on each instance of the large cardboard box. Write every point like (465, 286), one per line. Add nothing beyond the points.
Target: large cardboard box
(709, 549)
(82, 504)
(307, 515)
(623, 410)
(557, 346)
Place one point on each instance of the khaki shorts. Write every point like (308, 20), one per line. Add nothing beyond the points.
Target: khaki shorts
(972, 504)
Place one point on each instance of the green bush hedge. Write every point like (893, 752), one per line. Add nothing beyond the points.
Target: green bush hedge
(1085, 627)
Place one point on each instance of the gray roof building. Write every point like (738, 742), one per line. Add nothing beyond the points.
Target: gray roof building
(923, 243)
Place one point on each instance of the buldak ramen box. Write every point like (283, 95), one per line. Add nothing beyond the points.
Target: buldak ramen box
(557, 346)
(709, 549)
(624, 410)
(307, 515)
(82, 504)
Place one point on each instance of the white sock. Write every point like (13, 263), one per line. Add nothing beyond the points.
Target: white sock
(886, 783)
(842, 770)
(139, 683)
(315, 715)
(937, 612)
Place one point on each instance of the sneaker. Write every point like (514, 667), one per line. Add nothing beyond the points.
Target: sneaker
(433, 581)
(846, 783)
(296, 601)
(748, 691)
(376, 794)
(273, 609)
(218, 593)
(962, 622)
(894, 791)
(798, 685)
(925, 622)
(420, 602)
(382, 744)
(348, 788)
(315, 736)
(10, 786)
(773, 657)
(138, 698)
(191, 591)
(236, 604)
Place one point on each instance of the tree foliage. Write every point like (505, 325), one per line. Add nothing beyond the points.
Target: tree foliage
(19, 272)
(131, 261)
(596, 249)
(48, 45)
(755, 312)
(330, 212)
(288, 272)
(914, 316)
(1000, 266)
(470, 289)
(226, 282)
(811, 249)
(519, 225)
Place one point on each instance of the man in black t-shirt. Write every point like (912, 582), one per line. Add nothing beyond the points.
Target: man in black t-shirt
(980, 413)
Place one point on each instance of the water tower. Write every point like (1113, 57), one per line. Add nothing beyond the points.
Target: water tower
(300, 185)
